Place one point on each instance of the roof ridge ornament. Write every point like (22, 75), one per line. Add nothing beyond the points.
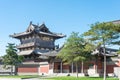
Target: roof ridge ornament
(30, 22)
(37, 24)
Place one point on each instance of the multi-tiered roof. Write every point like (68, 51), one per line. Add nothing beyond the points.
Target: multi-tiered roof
(37, 40)
(42, 29)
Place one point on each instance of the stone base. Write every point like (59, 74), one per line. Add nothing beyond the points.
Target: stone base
(69, 74)
(110, 75)
(81, 74)
(94, 75)
(28, 73)
(62, 74)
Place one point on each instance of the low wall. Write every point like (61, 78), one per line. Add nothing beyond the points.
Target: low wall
(10, 78)
(7, 70)
(117, 72)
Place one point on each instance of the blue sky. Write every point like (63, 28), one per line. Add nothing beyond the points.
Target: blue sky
(62, 16)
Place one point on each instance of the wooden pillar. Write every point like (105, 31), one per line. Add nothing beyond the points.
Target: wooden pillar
(52, 67)
(72, 67)
(39, 70)
(61, 67)
(82, 67)
(96, 68)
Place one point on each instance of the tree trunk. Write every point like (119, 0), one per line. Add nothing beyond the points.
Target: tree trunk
(16, 70)
(11, 69)
(95, 64)
(104, 67)
(77, 69)
(104, 60)
(82, 64)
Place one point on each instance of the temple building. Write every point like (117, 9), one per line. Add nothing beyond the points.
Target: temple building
(34, 42)
(37, 45)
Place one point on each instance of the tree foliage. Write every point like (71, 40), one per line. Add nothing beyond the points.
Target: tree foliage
(107, 33)
(103, 34)
(11, 58)
(76, 49)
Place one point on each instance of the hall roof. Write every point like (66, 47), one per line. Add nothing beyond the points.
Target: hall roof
(116, 21)
(42, 29)
(40, 52)
(36, 51)
(109, 51)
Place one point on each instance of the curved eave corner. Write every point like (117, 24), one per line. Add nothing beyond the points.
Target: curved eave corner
(17, 35)
(60, 36)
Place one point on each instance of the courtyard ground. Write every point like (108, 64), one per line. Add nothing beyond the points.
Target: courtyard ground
(52, 78)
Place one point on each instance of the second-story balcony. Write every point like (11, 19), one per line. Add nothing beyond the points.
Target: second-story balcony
(26, 45)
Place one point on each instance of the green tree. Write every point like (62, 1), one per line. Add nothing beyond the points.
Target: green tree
(103, 34)
(75, 50)
(11, 58)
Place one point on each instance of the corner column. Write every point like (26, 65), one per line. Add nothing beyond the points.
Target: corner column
(51, 68)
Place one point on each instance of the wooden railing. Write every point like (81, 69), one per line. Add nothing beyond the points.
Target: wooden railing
(26, 45)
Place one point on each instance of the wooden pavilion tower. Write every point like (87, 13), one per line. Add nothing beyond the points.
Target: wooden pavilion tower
(34, 42)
